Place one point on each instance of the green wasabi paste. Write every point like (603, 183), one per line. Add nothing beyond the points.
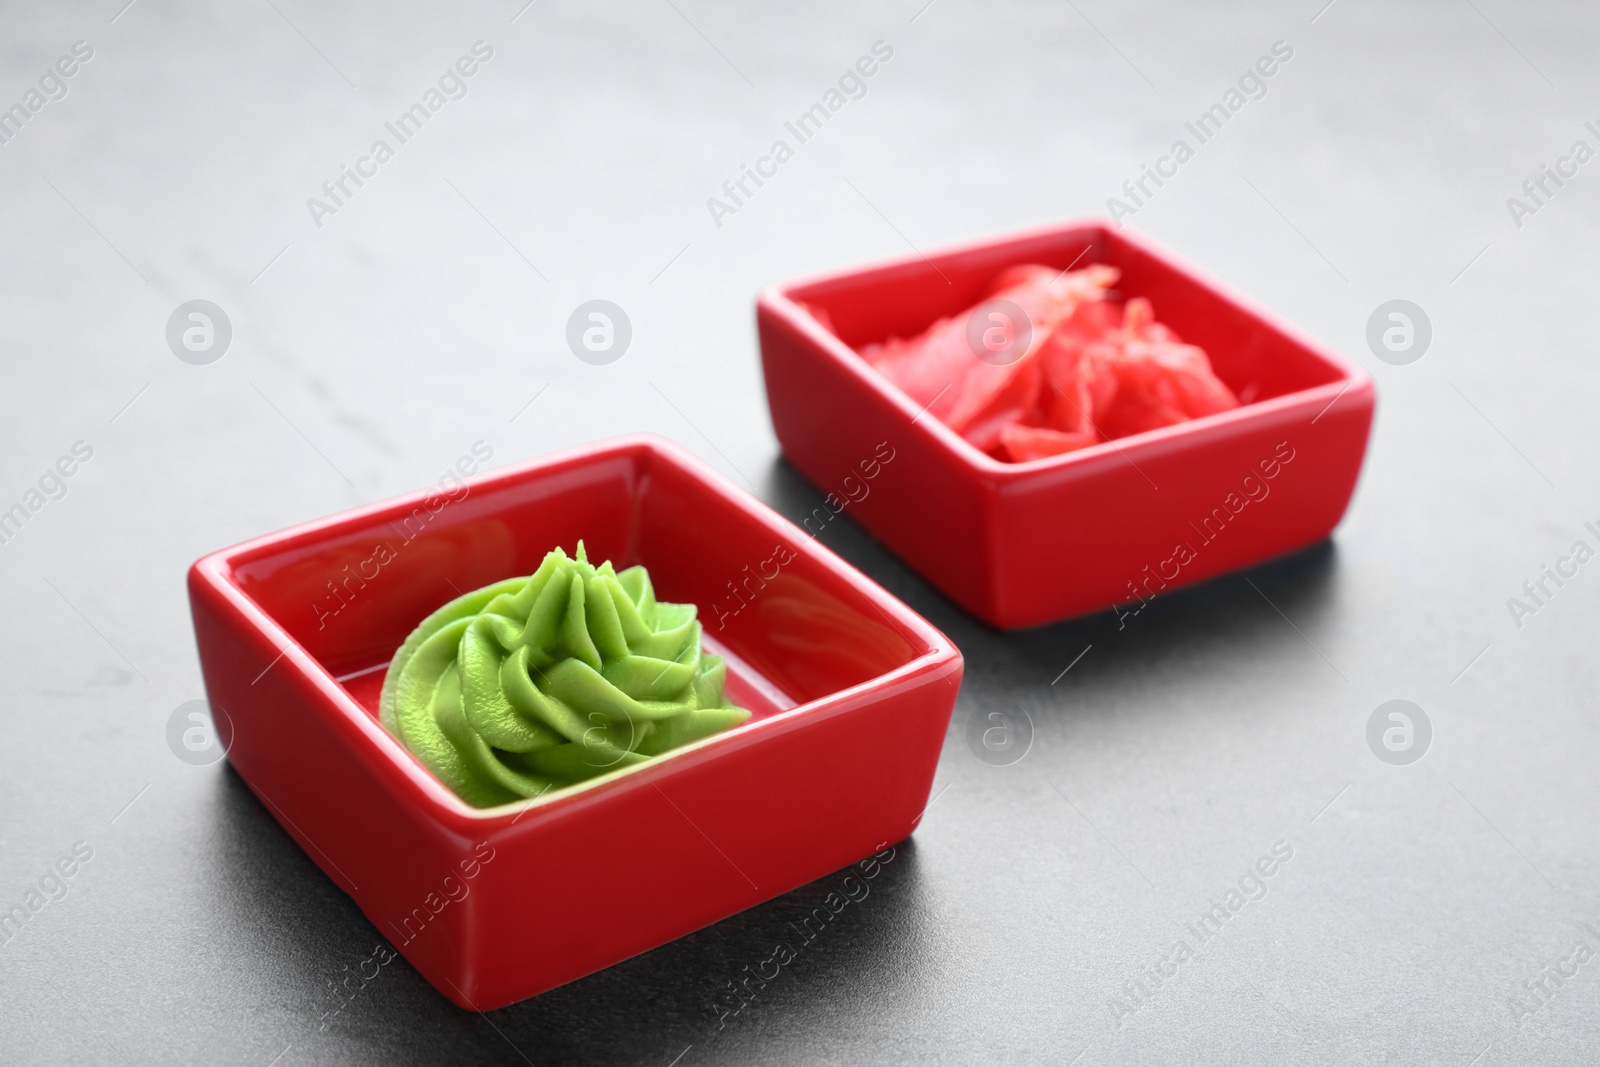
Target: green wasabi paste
(531, 684)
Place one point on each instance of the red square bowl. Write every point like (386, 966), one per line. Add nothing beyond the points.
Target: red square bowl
(1020, 544)
(851, 693)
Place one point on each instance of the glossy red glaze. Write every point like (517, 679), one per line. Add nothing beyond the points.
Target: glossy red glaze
(1020, 544)
(852, 693)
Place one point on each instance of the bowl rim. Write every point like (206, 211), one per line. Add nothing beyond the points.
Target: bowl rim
(779, 299)
(933, 652)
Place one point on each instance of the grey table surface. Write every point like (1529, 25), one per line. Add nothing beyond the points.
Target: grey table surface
(1440, 912)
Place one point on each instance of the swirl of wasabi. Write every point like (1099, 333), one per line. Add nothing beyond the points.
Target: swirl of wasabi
(535, 683)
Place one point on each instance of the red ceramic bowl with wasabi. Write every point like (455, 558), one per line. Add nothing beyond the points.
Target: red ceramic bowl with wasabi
(1022, 544)
(851, 694)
